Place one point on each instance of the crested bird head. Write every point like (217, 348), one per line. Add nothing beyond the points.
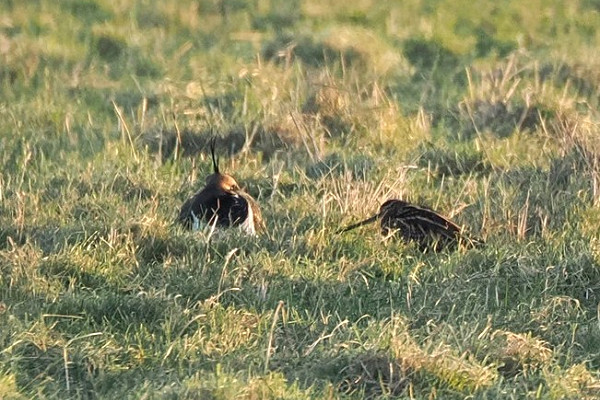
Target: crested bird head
(222, 183)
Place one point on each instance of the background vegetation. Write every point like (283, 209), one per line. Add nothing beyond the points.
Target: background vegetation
(486, 111)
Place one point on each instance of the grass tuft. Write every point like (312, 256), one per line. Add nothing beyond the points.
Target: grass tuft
(322, 110)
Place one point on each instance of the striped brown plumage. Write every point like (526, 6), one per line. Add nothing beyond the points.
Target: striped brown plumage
(413, 223)
(222, 203)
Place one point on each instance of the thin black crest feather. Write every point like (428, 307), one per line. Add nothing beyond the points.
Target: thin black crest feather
(215, 160)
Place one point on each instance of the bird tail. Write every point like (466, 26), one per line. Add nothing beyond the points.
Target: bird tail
(361, 223)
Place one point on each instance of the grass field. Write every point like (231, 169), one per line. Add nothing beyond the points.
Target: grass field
(486, 111)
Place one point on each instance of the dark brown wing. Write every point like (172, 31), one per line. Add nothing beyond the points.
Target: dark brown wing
(425, 220)
(224, 210)
(419, 224)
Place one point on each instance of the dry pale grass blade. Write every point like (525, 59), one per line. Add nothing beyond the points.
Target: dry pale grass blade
(324, 110)
(519, 353)
(575, 382)
(462, 372)
(366, 196)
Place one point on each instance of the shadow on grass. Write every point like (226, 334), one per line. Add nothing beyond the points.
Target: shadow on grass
(50, 238)
(501, 119)
(314, 53)
(367, 373)
(579, 76)
(336, 164)
(449, 289)
(45, 365)
(189, 143)
(462, 160)
(543, 199)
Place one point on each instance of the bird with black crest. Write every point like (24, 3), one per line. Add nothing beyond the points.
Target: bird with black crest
(221, 203)
(419, 224)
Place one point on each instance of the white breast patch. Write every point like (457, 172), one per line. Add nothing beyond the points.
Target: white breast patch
(248, 225)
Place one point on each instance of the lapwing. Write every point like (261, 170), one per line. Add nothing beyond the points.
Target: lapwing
(419, 224)
(221, 203)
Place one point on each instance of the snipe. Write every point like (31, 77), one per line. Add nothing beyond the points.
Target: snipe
(419, 224)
